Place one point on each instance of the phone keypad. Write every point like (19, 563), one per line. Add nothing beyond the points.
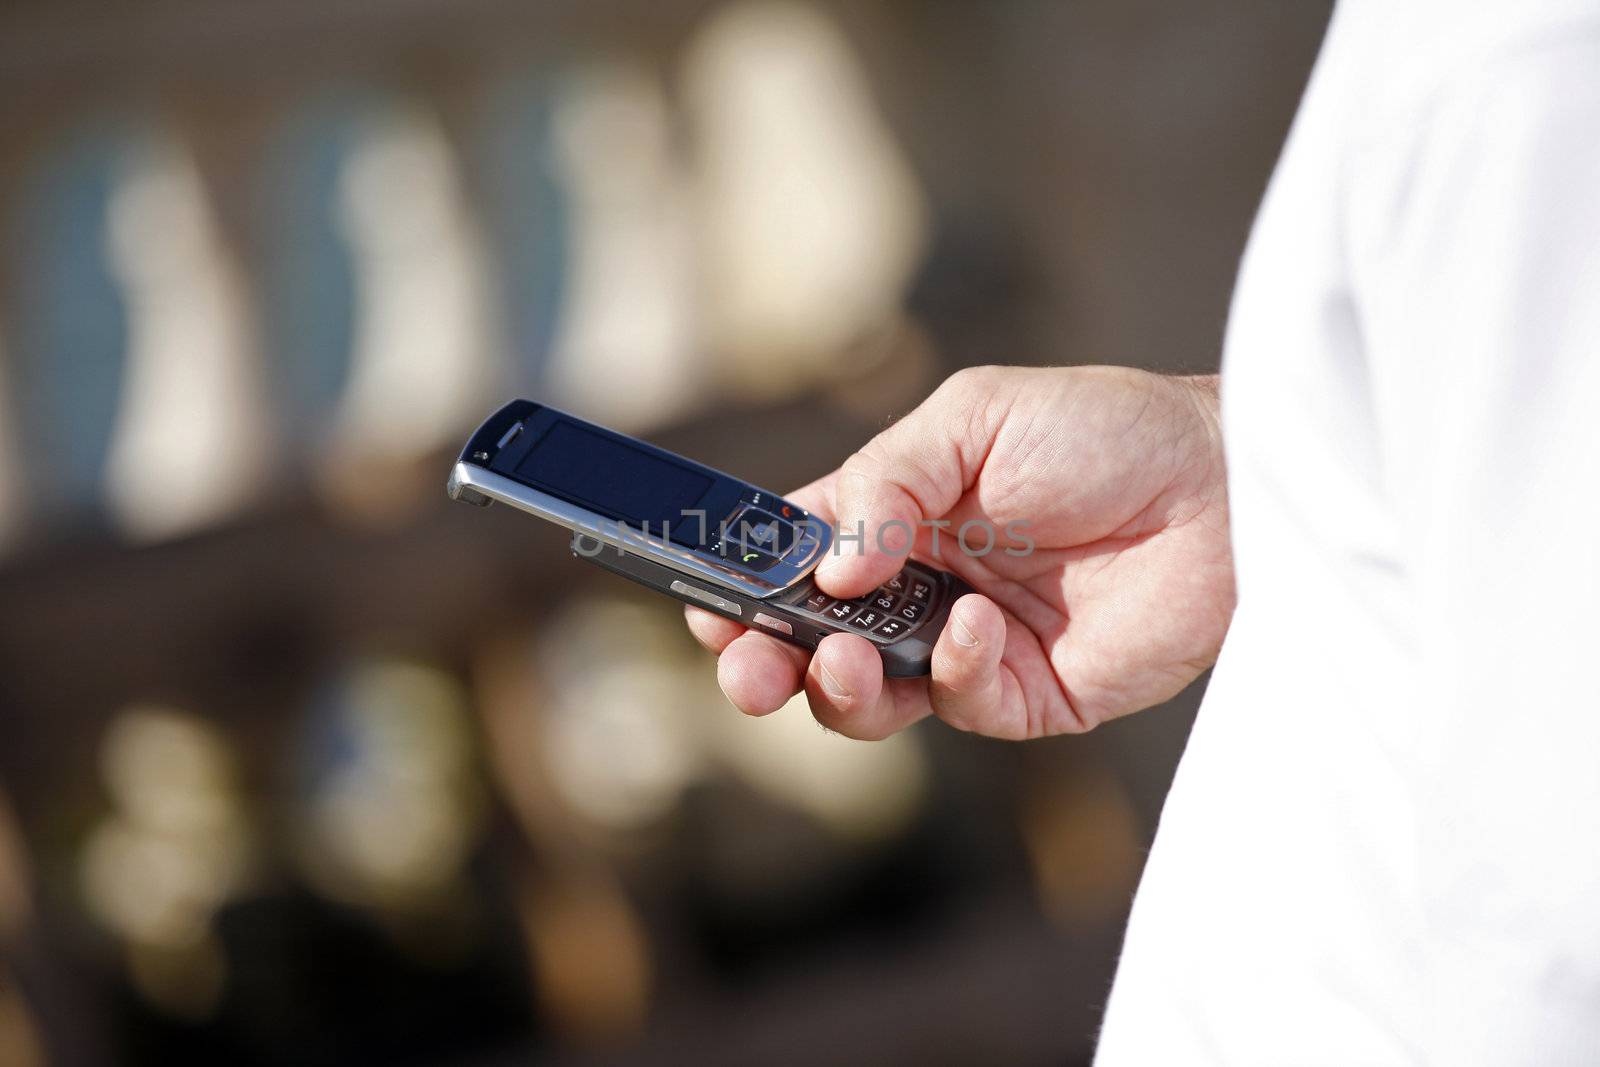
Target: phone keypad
(889, 612)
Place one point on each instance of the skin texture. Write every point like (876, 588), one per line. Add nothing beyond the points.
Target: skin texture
(1118, 478)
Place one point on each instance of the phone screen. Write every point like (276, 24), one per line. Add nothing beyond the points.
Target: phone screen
(616, 479)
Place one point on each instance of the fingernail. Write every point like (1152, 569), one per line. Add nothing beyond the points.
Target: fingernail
(830, 684)
(963, 636)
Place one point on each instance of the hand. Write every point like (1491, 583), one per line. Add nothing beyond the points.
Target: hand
(1117, 478)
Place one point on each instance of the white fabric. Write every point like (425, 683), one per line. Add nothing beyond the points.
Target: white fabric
(1383, 843)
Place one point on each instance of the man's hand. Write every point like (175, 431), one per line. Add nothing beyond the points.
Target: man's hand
(1117, 478)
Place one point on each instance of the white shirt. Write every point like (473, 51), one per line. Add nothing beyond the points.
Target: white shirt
(1383, 842)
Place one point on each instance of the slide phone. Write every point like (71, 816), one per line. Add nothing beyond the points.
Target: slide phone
(694, 533)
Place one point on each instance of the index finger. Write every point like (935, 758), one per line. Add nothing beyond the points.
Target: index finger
(917, 469)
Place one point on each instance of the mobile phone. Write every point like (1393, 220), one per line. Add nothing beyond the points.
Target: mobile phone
(694, 533)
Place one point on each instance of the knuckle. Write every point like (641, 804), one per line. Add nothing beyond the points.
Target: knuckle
(969, 380)
(969, 400)
(859, 464)
(948, 700)
(955, 716)
(860, 469)
(874, 475)
(847, 726)
(845, 717)
(969, 392)
(828, 713)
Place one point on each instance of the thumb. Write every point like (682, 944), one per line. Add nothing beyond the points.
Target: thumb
(914, 471)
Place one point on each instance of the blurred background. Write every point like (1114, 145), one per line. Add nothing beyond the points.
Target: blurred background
(301, 763)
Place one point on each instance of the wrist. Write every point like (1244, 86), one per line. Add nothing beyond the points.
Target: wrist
(1202, 395)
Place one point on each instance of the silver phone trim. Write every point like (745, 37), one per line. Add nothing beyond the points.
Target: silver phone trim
(580, 520)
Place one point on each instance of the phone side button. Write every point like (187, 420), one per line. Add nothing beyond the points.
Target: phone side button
(706, 597)
(763, 619)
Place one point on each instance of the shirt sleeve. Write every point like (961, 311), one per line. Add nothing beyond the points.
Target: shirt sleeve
(1474, 250)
